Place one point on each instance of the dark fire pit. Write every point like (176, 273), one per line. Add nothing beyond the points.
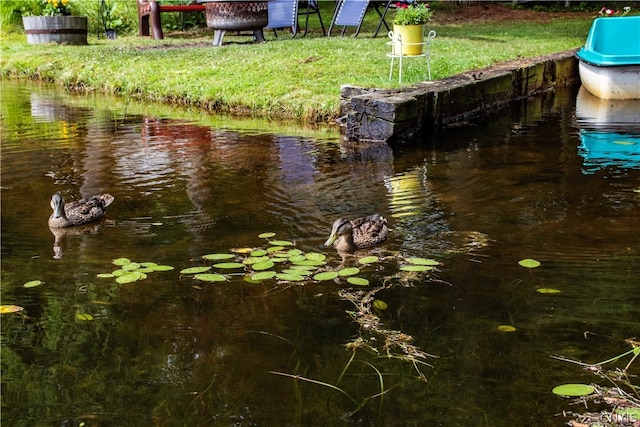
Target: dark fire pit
(223, 16)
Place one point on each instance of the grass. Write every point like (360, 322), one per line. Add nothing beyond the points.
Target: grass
(297, 78)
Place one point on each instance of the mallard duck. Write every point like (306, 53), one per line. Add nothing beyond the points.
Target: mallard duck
(79, 212)
(347, 236)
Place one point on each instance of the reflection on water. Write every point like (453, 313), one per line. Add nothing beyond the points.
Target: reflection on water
(170, 350)
(609, 133)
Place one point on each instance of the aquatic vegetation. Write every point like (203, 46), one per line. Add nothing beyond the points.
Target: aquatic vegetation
(32, 284)
(529, 263)
(620, 395)
(131, 271)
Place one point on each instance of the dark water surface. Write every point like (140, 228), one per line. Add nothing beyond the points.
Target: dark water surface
(173, 351)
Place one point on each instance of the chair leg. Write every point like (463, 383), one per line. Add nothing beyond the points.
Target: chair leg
(156, 24)
(382, 16)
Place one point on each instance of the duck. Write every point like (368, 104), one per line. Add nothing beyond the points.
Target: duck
(78, 212)
(348, 236)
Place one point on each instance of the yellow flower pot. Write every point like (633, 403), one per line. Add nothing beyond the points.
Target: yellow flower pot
(412, 39)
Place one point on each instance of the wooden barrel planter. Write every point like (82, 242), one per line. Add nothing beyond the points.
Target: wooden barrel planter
(55, 29)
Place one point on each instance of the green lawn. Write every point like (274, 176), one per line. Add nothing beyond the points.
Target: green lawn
(297, 78)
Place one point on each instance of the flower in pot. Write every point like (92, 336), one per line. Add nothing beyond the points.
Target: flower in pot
(49, 21)
(408, 27)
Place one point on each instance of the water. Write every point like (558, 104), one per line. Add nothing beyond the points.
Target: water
(170, 350)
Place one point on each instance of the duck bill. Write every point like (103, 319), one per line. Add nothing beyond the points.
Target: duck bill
(331, 239)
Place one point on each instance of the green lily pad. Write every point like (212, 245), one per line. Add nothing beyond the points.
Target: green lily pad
(293, 252)
(309, 262)
(258, 252)
(129, 277)
(229, 265)
(302, 267)
(289, 277)
(326, 275)
(131, 266)
(263, 275)
(506, 328)
(162, 267)
(217, 257)
(266, 235)
(255, 259)
(548, 291)
(416, 268)
(119, 272)
(121, 261)
(297, 258)
(315, 256)
(265, 265)
(368, 260)
(272, 249)
(280, 243)
(349, 271)
(423, 261)
(195, 270)
(210, 277)
(529, 263)
(297, 272)
(33, 284)
(573, 390)
(105, 276)
(148, 264)
(380, 305)
(358, 281)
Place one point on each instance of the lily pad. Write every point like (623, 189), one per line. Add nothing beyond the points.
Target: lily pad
(148, 264)
(380, 305)
(105, 276)
(416, 268)
(297, 258)
(266, 235)
(258, 252)
(349, 271)
(292, 252)
(303, 267)
(255, 259)
(280, 243)
(309, 262)
(121, 261)
(8, 308)
(162, 267)
(529, 263)
(33, 284)
(229, 265)
(217, 257)
(263, 275)
(195, 270)
(506, 328)
(297, 272)
(315, 256)
(290, 277)
(358, 281)
(326, 275)
(423, 261)
(272, 249)
(242, 250)
(131, 266)
(573, 390)
(368, 260)
(265, 265)
(210, 277)
(129, 278)
(548, 291)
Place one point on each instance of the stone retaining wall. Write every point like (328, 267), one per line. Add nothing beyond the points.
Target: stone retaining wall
(396, 115)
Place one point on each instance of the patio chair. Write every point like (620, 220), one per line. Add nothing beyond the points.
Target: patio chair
(284, 14)
(349, 13)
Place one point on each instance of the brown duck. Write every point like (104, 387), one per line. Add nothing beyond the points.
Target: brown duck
(79, 212)
(347, 236)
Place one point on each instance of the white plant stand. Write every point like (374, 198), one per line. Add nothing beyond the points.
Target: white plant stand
(426, 53)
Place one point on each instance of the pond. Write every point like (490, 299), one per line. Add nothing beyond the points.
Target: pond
(411, 348)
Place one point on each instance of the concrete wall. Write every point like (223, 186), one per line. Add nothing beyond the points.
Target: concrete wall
(404, 114)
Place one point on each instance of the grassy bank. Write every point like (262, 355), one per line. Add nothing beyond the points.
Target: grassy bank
(296, 78)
